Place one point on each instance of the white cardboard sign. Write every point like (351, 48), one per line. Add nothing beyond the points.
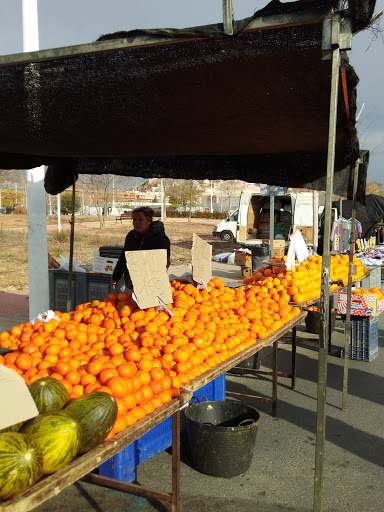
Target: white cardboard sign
(16, 402)
(148, 271)
(201, 260)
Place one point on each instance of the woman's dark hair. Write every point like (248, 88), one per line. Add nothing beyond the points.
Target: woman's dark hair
(146, 210)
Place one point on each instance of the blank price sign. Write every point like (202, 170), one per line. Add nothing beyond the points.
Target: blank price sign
(148, 271)
(201, 260)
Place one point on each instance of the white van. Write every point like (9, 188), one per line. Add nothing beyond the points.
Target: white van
(250, 223)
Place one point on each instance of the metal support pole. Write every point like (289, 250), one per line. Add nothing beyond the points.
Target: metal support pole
(274, 377)
(349, 289)
(315, 220)
(175, 499)
(36, 200)
(271, 222)
(70, 270)
(228, 15)
(293, 355)
(325, 275)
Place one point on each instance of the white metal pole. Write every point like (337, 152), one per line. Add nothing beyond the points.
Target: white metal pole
(58, 213)
(37, 223)
(315, 220)
(211, 196)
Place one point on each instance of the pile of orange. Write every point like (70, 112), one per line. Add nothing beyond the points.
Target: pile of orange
(373, 291)
(143, 357)
(304, 281)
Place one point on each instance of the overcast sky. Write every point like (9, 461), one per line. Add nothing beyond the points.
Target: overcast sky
(69, 22)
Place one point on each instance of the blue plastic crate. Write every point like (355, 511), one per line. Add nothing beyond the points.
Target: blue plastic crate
(123, 465)
(364, 338)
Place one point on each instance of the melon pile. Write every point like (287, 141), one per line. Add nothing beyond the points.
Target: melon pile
(47, 443)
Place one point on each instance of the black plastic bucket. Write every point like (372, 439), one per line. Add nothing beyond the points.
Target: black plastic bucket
(313, 323)
(259, 254)
(221, 437)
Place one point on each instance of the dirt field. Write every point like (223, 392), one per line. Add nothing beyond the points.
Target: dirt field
(88, 238)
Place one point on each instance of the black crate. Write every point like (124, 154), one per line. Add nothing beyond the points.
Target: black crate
(86, 287)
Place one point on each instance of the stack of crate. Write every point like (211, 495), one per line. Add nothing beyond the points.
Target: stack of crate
(364, 336)
(244, 260)
(364, 340)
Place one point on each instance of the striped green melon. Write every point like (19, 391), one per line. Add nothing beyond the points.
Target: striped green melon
(49, 394)
(21, 463)
(13, 428)
(96, 412)
(58, 434)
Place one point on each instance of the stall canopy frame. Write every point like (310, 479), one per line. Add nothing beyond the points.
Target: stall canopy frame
(189, 102)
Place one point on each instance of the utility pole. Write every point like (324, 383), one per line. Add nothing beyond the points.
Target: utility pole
(113, 192)
(58, 213)
(190, 203)
(37, 222)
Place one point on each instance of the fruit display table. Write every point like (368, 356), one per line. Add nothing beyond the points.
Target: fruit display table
(82, 467)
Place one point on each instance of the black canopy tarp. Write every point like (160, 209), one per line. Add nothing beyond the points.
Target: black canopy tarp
(368, 214)
(192, 103)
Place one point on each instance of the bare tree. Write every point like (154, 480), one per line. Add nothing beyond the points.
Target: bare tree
(99, 187)
(374, 187)
(182, 193)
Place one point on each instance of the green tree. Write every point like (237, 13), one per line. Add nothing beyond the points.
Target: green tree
(66, 203)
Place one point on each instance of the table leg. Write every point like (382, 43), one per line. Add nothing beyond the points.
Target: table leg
(274, 379)
(293, 377)
(329, 335)
(175, 497)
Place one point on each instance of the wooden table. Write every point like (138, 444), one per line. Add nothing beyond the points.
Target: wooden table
(81, 467)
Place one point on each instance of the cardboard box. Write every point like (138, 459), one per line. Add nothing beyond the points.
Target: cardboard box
(16, 401)
(103, 265)
(361, 305)
(246, 271)
(307, 233)
(278, 247)
(243, 258)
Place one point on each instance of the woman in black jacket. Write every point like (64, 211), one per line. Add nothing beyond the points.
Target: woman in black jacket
(145, 235)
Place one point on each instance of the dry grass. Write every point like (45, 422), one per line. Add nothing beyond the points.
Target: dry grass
(88, 238)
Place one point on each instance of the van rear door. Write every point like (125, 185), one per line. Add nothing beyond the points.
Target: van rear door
(245, 200)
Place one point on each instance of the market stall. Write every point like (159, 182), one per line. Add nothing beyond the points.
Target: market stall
(165, 135)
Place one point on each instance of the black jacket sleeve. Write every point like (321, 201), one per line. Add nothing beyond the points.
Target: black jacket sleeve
(164, 243)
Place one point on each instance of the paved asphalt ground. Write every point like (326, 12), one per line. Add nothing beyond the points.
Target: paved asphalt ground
(281, 477)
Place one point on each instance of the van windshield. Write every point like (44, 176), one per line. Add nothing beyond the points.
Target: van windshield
(234, 216)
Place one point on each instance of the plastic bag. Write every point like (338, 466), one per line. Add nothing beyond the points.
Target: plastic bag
(45, 317)
(64, 265)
